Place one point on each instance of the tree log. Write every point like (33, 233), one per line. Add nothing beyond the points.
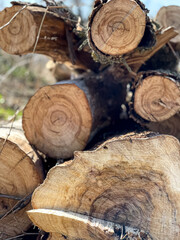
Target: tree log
(157, 96)
(55, 36)
(19, 176)
(117, 27)
(132, 181)
(170, 16)
(62, 118)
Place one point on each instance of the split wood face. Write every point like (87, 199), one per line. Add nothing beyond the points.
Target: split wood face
(170, 16)
(118, 27)
(131, 181)
(57, 120)
(157, 98)
(18, 177)
(19, 35)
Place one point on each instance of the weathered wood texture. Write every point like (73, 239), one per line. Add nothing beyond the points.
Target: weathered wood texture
(19, 176)
(62, 118)
(56, 34)
(132, 181)
(156, 96)
(117, 27)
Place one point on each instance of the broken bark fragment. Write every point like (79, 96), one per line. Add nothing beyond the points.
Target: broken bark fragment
(78, 226)
(131, 181)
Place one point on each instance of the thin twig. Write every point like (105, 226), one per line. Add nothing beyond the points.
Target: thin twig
(54, 7)
(173, 51)
(22, 235)
(15, 15)
(19, 64)
(39, 32)
(18, 206)
(8, 134)
(10, 197)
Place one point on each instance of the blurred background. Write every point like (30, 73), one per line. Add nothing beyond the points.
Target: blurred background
(20, 77)
(85, 5)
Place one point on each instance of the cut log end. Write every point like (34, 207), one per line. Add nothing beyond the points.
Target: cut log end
(170, 16)
(18, 178)
(157, 98)
(57, 120)
(15, 37)
(131, 181)
(118, 27)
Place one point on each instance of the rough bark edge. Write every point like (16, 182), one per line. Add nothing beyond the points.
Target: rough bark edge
(103, 58)
(173, 76)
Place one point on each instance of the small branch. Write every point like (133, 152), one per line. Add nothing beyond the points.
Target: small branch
(8, 134)
(39, 32)
(10, 197)
(22, 235)
(173, 51)
(15, 15)
(19, 64)
(20, 205)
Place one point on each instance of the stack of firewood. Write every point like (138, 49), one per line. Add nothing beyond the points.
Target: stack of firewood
(123, 77)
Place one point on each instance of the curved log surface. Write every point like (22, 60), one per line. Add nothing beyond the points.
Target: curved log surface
(118, 27)
(133, 181)
(19, 176)
(78, 226)
(57, 120)
(170, 16)
(63, 118)
(53, 33)
(157, 96)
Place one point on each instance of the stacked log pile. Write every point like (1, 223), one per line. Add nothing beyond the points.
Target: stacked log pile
(119, 81)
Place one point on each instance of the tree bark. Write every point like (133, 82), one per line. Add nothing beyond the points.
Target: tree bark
(62, 118)
(156, 96)
(20, 175)
(56, 36)
(80, 226)
(118, 27)
(131, 180)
